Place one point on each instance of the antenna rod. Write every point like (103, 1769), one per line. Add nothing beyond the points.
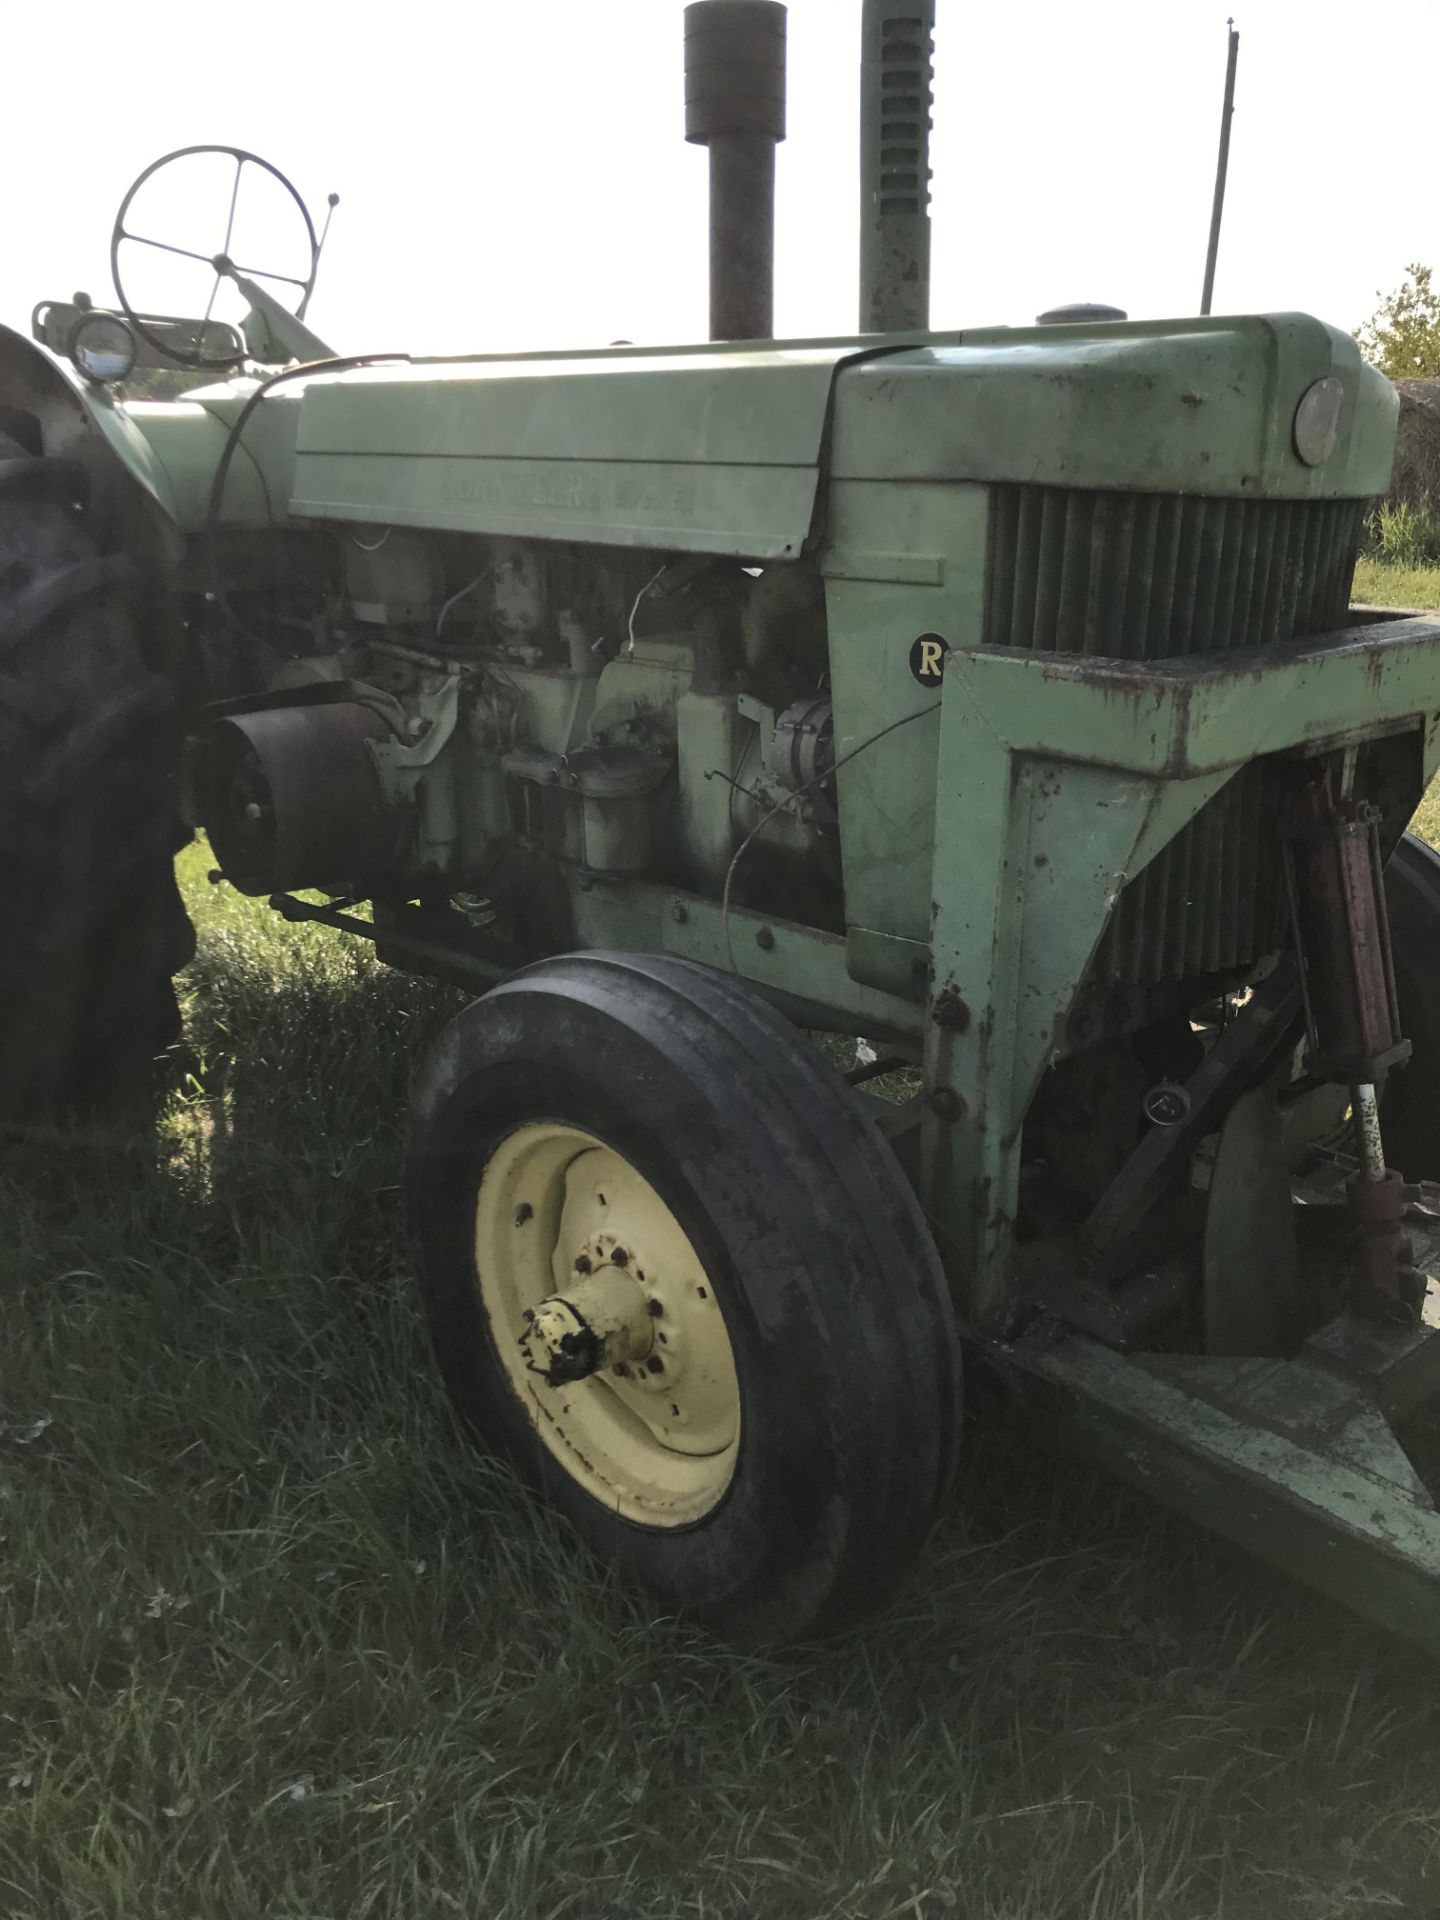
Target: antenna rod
(332, 201)
(1221, 167)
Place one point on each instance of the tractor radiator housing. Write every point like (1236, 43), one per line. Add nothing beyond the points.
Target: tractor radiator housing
(1152, 576)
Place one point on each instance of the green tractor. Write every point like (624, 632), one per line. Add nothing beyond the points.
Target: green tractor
(990, 698)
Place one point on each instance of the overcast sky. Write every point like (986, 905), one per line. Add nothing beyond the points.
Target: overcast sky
(513, 172)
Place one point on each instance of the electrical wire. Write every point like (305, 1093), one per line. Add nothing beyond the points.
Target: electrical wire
(456, 598)
(342, 363)
(815, 780)
(635, 604)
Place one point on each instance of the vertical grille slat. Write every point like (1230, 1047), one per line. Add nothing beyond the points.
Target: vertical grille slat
(1315, 531)
(1229, 575)
(1002, 565)
(1266, 567)
(1134, 583)
(1210, 577)
(1049, 607)
(1158, 640)
(1147, 576)
(1186, 592)
(1023, 587)
(1076, 563)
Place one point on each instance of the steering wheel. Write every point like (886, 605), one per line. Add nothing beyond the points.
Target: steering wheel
(220, 263)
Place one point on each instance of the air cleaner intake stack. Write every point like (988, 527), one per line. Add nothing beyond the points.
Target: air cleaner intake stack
(896, 76)
(735, 106)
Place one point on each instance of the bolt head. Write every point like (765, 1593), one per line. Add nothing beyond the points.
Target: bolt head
(1166, 1105)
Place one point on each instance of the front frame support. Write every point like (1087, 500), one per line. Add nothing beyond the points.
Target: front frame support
(1059, 778)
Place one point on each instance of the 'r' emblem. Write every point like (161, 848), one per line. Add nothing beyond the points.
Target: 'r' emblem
(927, 659)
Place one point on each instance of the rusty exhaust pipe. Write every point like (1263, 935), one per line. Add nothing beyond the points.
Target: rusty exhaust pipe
(735, 106)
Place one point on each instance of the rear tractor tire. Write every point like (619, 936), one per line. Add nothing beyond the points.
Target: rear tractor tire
(674, 1272)
(93, 926)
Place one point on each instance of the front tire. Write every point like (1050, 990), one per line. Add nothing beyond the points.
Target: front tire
(598, 1103)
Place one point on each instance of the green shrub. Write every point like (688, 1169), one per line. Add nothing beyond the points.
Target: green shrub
(1403, 533)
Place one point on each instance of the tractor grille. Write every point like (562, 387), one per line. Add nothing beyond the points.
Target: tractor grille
(1213, 901)
(1145, 576)
(1139, 576)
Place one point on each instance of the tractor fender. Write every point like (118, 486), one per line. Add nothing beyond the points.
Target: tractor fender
(128, 497)
(81, 422)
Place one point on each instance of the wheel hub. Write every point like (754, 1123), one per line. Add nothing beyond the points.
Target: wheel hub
(601, 1320)
(607, 1324)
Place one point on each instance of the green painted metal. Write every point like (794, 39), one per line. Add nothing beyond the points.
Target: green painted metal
(83, 415)
(185, 439)
(1062, 779)
(697, 453)
(273, 334)
(1295, 1460)
(1199, 406)
(800, 969)
(720, 449)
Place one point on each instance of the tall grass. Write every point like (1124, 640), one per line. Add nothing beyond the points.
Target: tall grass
(275, 1641)
(1404, 533)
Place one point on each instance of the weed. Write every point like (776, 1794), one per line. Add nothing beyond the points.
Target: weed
(1404, 533)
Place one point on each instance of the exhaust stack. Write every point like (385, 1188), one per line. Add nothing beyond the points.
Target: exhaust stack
(896, 76)
(735, 106)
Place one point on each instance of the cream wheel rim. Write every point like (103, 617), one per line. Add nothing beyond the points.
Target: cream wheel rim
(606, 1325)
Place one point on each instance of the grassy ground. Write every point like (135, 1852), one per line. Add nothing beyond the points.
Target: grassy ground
(274, 1642)
(1378, 585)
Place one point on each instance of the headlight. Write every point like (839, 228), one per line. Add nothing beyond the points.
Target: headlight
(102, 347)
(1317, 421)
